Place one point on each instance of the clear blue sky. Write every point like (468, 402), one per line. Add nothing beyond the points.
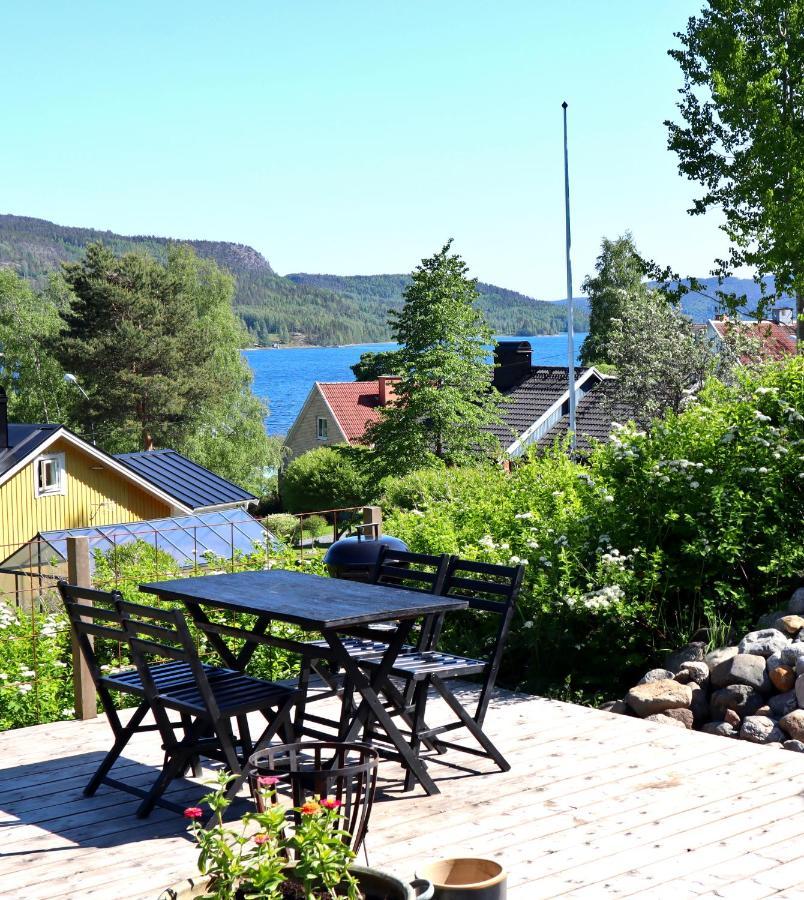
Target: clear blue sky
(354, 137)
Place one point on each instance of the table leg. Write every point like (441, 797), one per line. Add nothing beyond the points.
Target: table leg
(371, 705)
(237, 661)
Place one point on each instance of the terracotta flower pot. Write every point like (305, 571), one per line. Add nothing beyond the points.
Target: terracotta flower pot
(375, 884)
(466, 879)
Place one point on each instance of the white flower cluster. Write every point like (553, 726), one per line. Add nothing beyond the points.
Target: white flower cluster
(7, 617)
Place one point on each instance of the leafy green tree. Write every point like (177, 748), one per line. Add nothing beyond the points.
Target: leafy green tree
(32, 378)
(156, 348)
(659, 358)
(743, 137)
(444, 393)
(373, 364)
(620, 281)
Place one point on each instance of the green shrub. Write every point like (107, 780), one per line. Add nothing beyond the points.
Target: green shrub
(326, 478)
(284, 525)
(695, 525)
(314, 525)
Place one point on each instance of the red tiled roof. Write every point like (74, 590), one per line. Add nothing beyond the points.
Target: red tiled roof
(776, 341)
(355, 405)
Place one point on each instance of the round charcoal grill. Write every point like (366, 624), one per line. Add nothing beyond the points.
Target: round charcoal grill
(353, 558)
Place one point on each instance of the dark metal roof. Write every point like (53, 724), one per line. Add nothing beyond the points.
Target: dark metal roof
(530, 398)
(190, 540)
(24, 440)
(191, 484)
(593, 417)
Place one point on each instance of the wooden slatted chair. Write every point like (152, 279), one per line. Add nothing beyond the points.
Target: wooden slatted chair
(95, 621)
(490, 590)
(421, 572)
(212, 702)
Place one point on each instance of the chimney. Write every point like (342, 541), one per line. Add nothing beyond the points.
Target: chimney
(387, 390)
(782, 316)
(3, 420)
(512, 363)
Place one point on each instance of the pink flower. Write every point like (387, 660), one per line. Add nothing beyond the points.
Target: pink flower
(267, 781)
(330, 803)
(193, 812)
(260, 839)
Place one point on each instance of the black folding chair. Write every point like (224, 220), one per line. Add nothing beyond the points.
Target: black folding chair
(421, 572)
(213, 700)
(490, 590)
(95, 621)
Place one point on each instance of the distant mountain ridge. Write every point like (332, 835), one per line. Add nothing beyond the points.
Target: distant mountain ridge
(316, 309)
(302, 307)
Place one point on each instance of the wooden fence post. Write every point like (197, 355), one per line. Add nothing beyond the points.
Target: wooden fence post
(372, 516)
(86, 706)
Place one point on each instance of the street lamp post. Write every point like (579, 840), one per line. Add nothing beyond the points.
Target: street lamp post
(71, 379)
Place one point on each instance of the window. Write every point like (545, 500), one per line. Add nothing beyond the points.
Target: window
(322, 429)
(49, 475)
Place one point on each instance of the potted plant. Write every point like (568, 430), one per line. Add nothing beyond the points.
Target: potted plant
(264, 858)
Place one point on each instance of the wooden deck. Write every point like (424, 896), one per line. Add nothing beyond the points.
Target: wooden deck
(595, 805)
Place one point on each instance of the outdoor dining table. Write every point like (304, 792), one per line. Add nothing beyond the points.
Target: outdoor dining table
(335, 608)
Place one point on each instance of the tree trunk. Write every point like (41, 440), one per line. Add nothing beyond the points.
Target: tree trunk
(147, 440)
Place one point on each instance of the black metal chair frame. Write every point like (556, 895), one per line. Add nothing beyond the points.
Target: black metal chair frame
(393, 568)
(421, 669)
(213, 699)
(94, 615)
(346, 772)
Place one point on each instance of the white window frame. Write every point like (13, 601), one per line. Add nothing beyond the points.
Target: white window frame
(322, 433)
(59, 488)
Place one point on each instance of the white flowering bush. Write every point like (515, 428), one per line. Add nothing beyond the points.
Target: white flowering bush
(35, 666)
(657, 534)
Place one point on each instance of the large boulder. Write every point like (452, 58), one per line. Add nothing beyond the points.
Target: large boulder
(793, 724)
(800, 690)
(798, 746)
(792, 653)
(665, 719)
(796, 604)
(744, 700)
(656, 675)
(698, 672)
(761, 730)
(719, 663)
(764, 642)
(658, 696)
(723, 729)
(699, 703)
(781, 704)
(684, 716)
(783, 678)
(744, 668)
(789, 625)
(693, 652)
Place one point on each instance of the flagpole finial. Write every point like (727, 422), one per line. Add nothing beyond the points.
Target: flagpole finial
(564, 105)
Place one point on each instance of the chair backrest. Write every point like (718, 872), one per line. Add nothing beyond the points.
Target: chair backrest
(157, 635)
(94, 615)
(422, 572)
(493, 589)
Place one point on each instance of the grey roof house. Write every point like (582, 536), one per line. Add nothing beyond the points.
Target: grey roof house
(189, 484)
(537, 411)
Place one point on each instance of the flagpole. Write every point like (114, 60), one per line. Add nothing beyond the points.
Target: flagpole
(570, 318)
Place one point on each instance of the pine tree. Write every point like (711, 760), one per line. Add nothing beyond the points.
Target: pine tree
(444, 397)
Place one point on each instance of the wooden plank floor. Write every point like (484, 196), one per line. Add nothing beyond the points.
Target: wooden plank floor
(595, 805)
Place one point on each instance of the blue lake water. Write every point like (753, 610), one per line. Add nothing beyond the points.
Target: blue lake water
(284, 377)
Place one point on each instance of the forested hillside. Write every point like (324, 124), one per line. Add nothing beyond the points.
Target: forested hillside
(318, 309)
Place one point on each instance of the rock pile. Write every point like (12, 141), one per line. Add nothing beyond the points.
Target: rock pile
(753, 691)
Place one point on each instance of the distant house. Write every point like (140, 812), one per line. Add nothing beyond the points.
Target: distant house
(538, 398)
(338, 412)
(189, 484)
(764, 341)
(51, 480)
